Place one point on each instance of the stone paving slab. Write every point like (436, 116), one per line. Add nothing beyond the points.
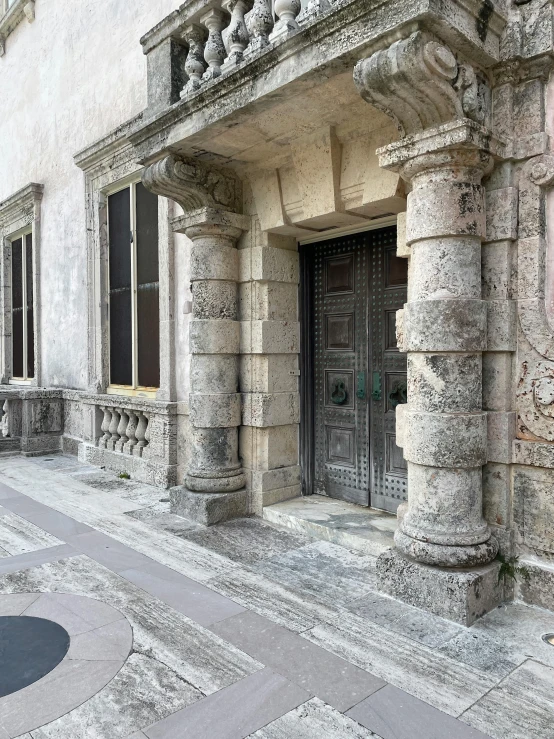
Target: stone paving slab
(185, 595)
(314, 720)
(337, 521)
(337, 682)
(394, 714)
(235, 712)
(330, 574)
(296, 611)
(435, 678)
(32, 559)
(19, 535)
(520, 707)
(404, 619)
(246, 540)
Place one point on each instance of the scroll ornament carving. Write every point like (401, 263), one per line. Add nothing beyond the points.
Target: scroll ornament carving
(535, 390)
(192, 185)
(419, 83)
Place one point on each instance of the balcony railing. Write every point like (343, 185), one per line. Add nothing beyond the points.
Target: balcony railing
(124, 430)
(213, 42)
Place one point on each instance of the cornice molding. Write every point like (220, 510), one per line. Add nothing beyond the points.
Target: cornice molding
(24, 202)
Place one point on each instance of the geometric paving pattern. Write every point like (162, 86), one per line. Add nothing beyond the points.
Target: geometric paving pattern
(243, 630)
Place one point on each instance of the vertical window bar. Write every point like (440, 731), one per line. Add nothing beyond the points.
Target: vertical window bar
(18, 302)
(30, 308)
(134, 327)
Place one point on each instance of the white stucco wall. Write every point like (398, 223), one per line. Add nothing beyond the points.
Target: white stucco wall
(66, 80)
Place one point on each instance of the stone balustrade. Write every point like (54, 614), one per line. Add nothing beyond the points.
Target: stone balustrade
(124, 430)
(204, 45)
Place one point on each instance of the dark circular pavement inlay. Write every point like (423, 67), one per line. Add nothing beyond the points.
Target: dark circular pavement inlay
(29, 649)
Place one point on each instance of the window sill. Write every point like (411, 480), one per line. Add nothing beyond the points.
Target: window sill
(20, 10)
(123, 390)
(17, 381)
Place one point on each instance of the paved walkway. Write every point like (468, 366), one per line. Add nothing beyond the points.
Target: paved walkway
(247, 629)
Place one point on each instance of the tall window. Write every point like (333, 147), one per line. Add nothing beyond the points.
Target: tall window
(134, 288)
(23, 335)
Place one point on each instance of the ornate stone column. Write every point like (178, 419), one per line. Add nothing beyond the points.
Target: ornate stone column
(214, 487)
(440, 107)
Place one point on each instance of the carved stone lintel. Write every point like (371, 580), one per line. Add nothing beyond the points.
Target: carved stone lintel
(418, 82)
(192, 185)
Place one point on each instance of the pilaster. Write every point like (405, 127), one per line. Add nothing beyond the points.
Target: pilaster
(268, 310)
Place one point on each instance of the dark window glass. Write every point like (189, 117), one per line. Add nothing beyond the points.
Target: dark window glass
(17, 308)
(148, 288)
(121, 348)
(30, 308)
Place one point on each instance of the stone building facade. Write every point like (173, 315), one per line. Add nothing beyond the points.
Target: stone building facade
(354, 277)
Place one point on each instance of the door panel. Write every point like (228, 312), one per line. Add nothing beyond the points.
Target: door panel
(357, 284)
(389, 277)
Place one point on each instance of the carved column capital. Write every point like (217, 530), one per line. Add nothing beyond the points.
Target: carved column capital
(193, 185)
(420, 84)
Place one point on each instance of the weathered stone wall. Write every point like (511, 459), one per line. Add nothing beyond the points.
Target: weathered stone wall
(66, 80)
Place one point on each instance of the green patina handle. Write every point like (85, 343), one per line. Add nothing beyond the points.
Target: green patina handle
(338, 394)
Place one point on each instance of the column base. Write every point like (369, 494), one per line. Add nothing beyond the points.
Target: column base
(443, 555)
(208, 508)
(460, 595)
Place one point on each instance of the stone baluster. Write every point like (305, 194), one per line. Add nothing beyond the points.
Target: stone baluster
(237, 33)
(147, 430)
(140, 434)
(214, 51)
(443, 327)
(105, 427)
(114, 425)
(6, 424)
(194, 66)
(286, 11)
(2, 421)
(131, 432)
(259, 24)
(313, 9)
(122, 430)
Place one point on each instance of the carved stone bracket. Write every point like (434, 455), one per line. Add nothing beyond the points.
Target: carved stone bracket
(418, 82)
(193, 185)
(535, 390)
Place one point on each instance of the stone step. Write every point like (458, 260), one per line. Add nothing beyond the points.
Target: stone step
(354, 527)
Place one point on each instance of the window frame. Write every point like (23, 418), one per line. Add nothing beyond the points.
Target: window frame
(109, 165)
(133, 389)
(20, 214)
(22, 234)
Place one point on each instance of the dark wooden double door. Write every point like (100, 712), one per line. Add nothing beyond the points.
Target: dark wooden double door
(354, 285)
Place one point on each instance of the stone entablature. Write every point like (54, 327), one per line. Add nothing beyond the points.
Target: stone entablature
(184, 79)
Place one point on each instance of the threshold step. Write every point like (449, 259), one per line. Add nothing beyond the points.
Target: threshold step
(354, 527)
